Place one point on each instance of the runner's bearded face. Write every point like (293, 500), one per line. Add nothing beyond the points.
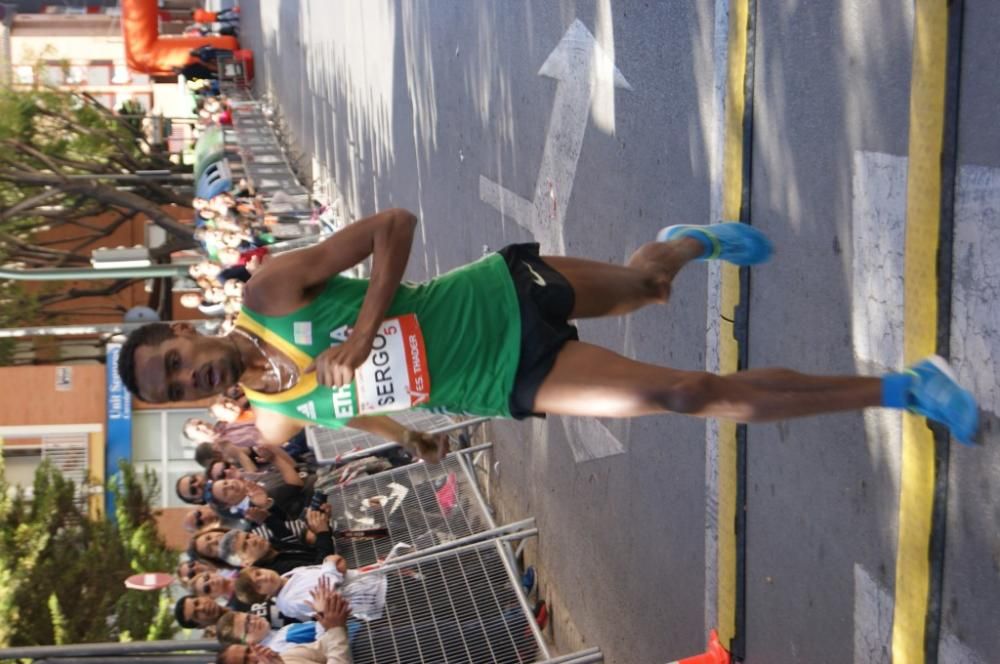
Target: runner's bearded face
(186, 367)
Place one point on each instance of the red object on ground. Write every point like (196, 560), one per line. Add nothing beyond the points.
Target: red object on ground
(149, 581)
(146, 52)
(715, 654)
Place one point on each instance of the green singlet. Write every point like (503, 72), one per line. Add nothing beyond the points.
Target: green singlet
(459, 333)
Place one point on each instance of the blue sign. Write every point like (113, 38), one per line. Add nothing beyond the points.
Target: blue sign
(118, 444)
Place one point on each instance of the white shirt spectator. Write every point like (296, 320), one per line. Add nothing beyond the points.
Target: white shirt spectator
(364, 592)
(278, 641)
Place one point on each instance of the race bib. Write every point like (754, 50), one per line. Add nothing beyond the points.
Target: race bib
(395, 375)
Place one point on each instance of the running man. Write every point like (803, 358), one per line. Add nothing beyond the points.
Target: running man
(490, 338)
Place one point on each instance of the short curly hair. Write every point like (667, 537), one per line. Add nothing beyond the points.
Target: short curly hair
(151, 334)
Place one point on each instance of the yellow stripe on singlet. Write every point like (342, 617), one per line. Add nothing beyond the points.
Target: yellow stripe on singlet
(307, 381)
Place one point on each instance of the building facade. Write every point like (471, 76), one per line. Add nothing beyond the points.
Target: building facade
(85, 53)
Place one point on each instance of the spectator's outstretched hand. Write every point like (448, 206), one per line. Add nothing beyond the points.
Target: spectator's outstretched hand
(335, 613)
(264, 452)
(319, 594)
(318, 521)
(337, 561)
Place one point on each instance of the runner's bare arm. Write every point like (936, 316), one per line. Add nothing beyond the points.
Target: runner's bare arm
(382, 426)
(285, 284)
(275, 427)
(386, 236)
(429, 447)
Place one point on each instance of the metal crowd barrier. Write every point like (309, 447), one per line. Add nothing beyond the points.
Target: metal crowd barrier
(453, 589)
(459, 605)
(264, 162)
(409, 509)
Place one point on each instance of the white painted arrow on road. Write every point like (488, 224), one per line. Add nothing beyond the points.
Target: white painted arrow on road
(580, 65)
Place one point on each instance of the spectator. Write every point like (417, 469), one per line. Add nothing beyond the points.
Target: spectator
(213, 585)
(201, 517)
(240, 549)
(188, 569)
(229, 411)
(281, 487)
(241, 627)
(191, 488)
(192, 612)
(332, 647)
(292, 591)
(204, 546)
(199, 431)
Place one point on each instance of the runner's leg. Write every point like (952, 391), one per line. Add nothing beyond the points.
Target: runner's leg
(603, 289)
(588, 380)
(779, 378)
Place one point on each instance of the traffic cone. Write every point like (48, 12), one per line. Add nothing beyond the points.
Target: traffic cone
(715, 654)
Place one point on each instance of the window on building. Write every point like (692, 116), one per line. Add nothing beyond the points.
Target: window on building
(105, 99)
(20, 464)
(158, 443)
(24, 74)
(76, 74)
(121, 75)
(99, 73)
(140, 79)
(53, 74)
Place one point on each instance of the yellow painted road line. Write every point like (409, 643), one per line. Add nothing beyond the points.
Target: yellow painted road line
(923, 209)
(732, 192)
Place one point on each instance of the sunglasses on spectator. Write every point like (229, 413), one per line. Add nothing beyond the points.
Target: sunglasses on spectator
(193, 491)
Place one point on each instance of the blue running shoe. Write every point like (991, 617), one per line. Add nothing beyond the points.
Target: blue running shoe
(734, 242)
(936, 394)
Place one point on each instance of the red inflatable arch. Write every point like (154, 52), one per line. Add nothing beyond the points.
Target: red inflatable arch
(146, 52)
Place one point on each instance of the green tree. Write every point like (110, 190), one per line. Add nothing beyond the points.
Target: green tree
(67, 161)
(62, 574)
(63, 157)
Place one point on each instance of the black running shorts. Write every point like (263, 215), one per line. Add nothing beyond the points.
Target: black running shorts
(546, 301)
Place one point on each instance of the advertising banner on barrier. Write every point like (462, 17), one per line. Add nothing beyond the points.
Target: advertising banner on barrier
(119, 425)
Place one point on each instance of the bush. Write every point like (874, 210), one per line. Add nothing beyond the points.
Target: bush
(62, 574)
